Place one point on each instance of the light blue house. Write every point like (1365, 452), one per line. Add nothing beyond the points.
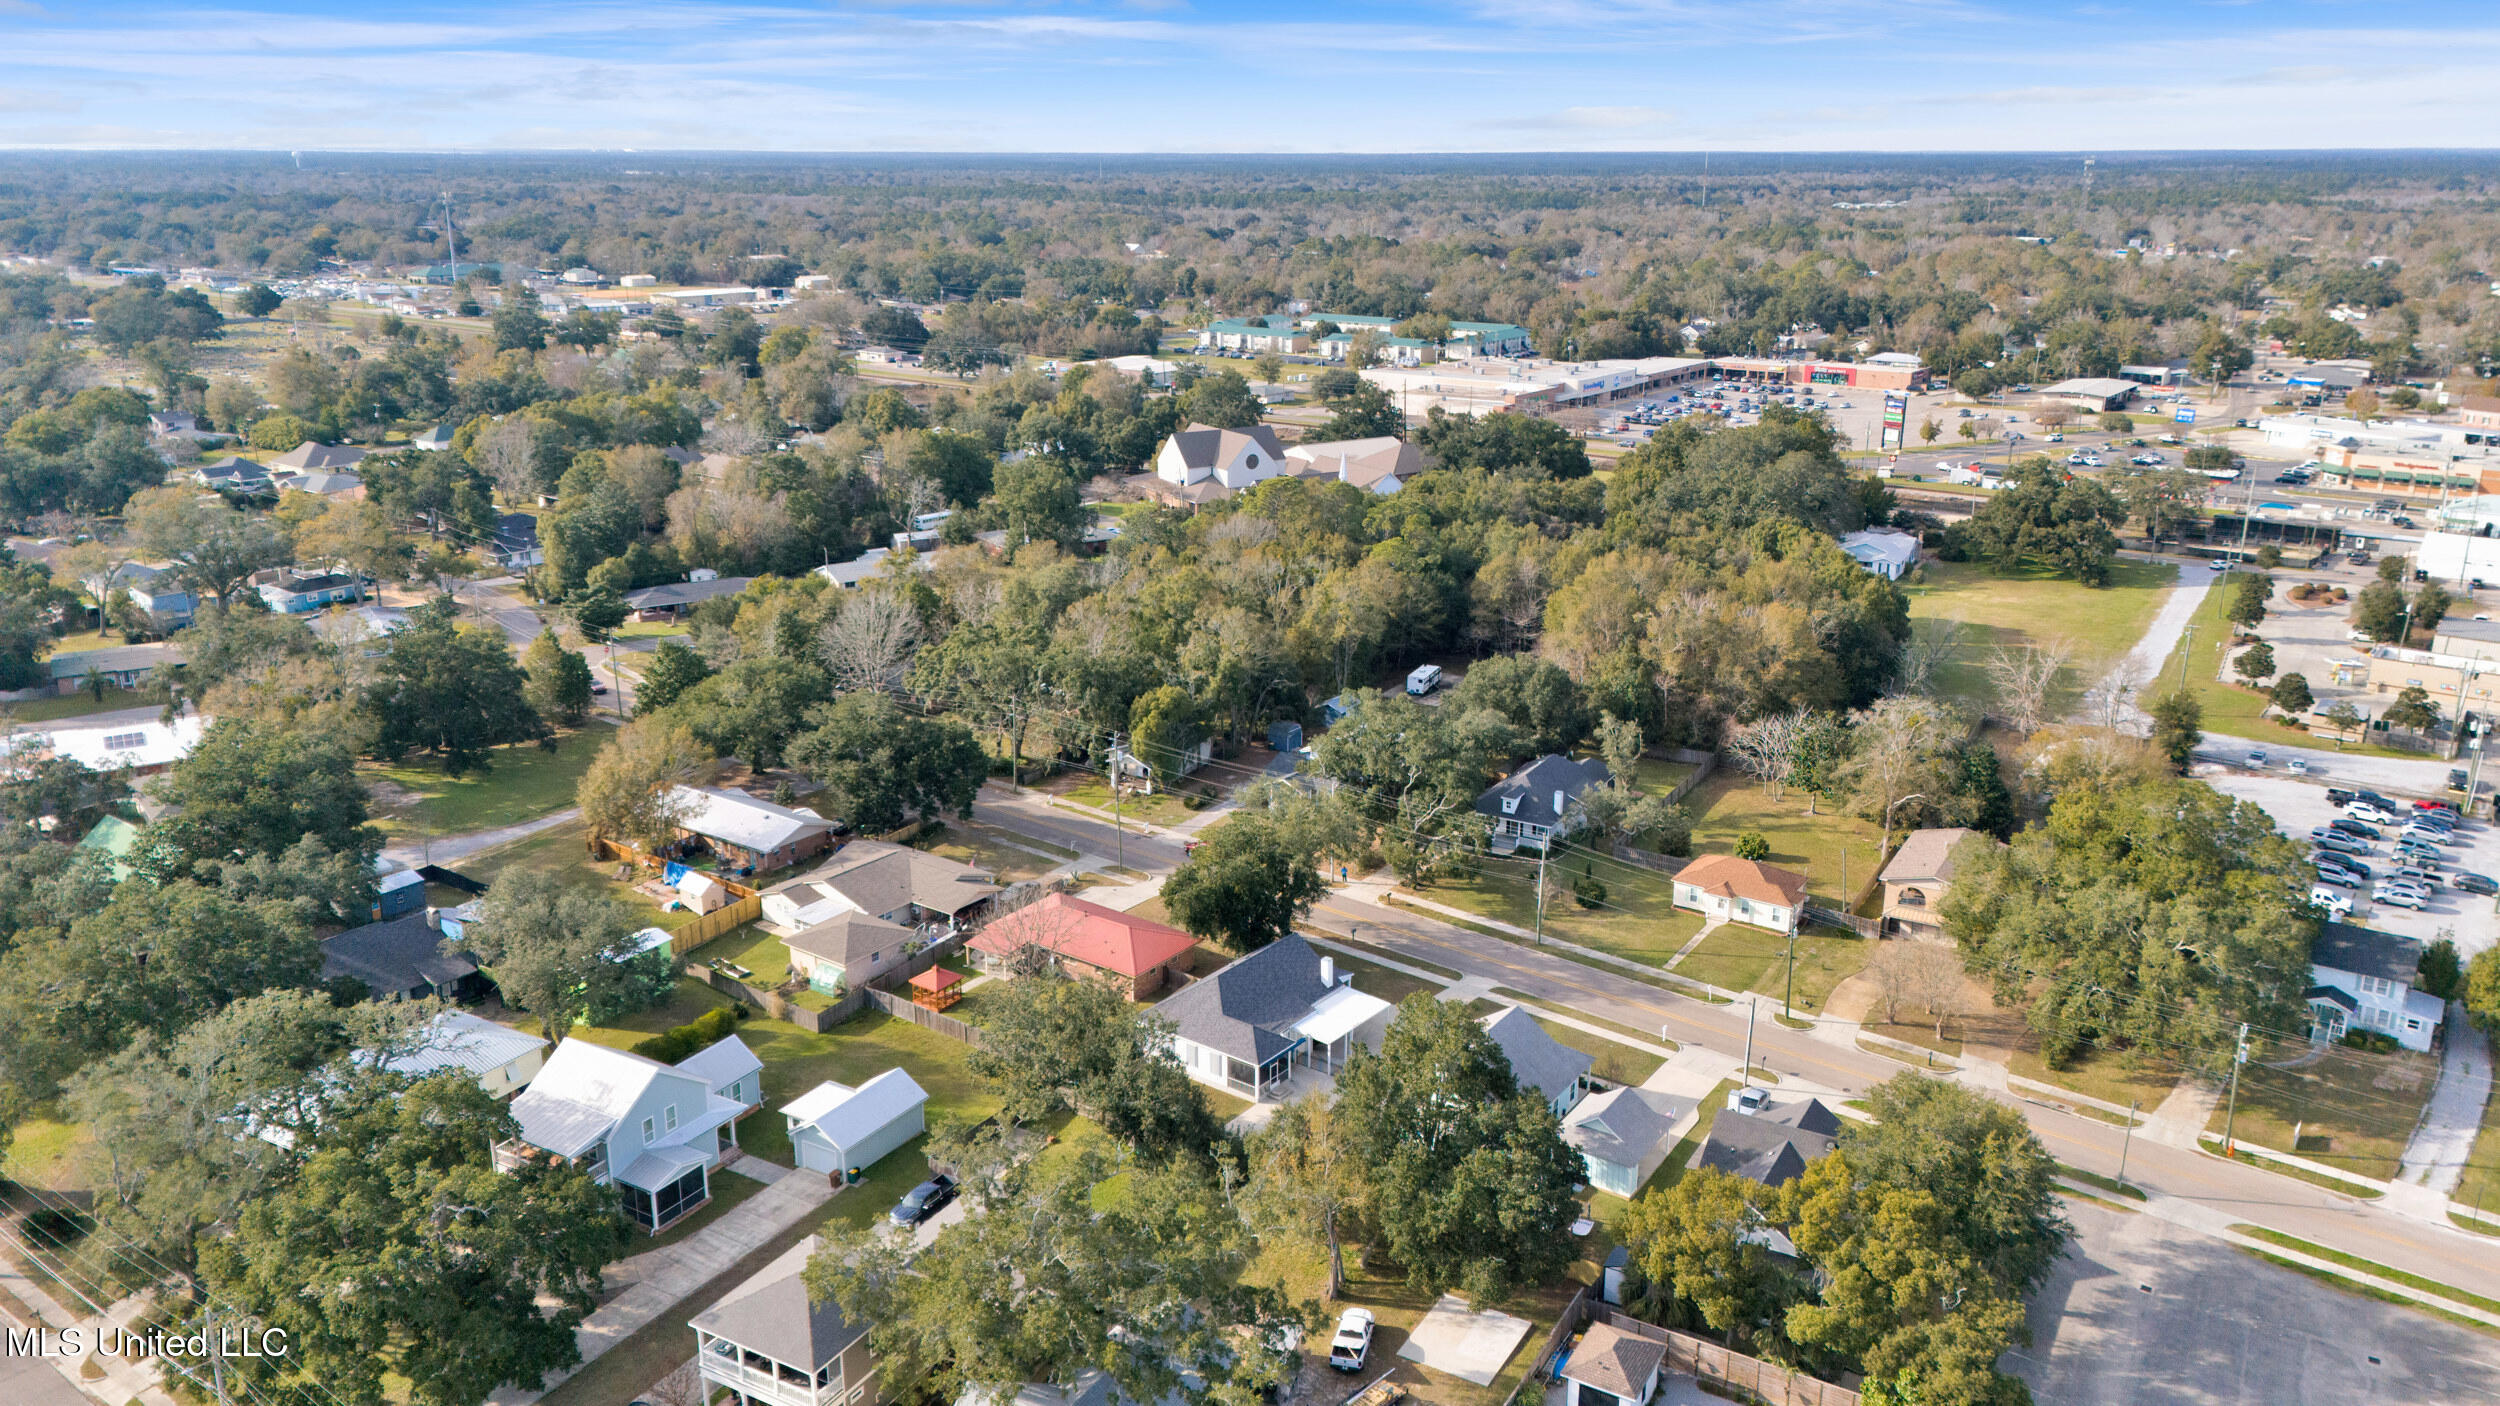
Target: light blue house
(291, 592)
(834, 1128)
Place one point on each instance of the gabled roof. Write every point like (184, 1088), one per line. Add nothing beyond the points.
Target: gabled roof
(848, 939)
(1728, 876)
(580, 1094)
(844, 1113)
(686, 592)
(737, 818)
(881, 878)
(2367, 952)
(1614, 1361)
(1248, 1009)
(1099, 937)
(310, 455)
(397, 954)
(1537, 1059)
(459, 1040)
(1534, 785)
(773, 1314)
(1623, 1126)
(722, 1064)
(1767, 1147)
(1926, 855)
(516, 531)
(113, 659)
(1205, 446)
(1361, 462)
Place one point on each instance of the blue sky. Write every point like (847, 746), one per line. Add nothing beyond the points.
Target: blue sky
(1217, 75)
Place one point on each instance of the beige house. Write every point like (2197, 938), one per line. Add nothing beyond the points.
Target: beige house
(1915, 882)
(1381, 465)
(1743, 891)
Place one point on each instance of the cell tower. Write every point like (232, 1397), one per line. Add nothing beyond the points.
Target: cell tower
(2087, 176)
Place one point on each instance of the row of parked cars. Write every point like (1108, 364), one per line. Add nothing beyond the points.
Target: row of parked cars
(2417, 839)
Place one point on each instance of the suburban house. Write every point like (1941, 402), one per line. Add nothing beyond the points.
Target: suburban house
(1915, 881)
(873, 563)
(1204, 463)
(232, 474)
(309, 457)
(1538, 1060)
(432, 441)
(361, 626)
(1623, 1135)
(896, 883)
(515, 546)
(669, 602)
(502, 1059)
(1382, 465)
(402, 959)
(752, 834)
(288, 591)
(1248, 1027)
(1610, 1367)
(770, 1343)
(1729, 889)
(121, 665)
(1770, 1145)
(848, 950)
(2362, 979)
(1533, 805)
(652, 1131)
(168, 604)
(731, 1070)
(836, 1129)
(175, 422)
(141, 748)
(1135, 955)
(325, 483)
(1888, 552)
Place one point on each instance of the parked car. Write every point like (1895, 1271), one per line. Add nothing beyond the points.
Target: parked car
(2374, 798)
(2354, 828)
(2339, 878)
(2321, 896)
(2257, 757)
(1353, 1342)
(2417, 875)
(2338, 796)
(2299, 766)
(2414, 899)
(923, 1201)
(2372, 812)
(2337, 841)
(2473, 883)
(2456, 782)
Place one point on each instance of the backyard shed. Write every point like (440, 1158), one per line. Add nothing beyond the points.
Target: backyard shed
(834, 1127)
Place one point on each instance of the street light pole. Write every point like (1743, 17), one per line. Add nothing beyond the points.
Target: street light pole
(2128, 1141)
(2238, 1058)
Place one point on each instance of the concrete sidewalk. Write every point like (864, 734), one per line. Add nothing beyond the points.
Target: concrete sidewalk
(2437, 1154)
(659, 1280)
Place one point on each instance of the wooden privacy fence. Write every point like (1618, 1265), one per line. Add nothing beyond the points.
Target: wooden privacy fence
(1702, 763)
(924, 1017)
(746, 906)
(1541, 1368)
(1766, 1382)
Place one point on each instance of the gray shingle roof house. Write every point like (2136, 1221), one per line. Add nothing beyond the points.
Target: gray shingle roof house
(1611, 1367)
(1245, 1028)
(1538, 1060)
(1623, 1135)
(401, 959)
(768, 1341)
(309, 455)
(673, 597)
(1771, 1147)
(516, 546)
(1533, 803)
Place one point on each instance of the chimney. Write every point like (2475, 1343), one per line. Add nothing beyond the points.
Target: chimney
(434, 918)
(1327, 970)
(1558, 803)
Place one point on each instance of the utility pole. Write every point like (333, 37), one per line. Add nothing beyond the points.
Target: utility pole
(2238, 1058)
(1746, 1076)
(216, 1356)
(1542, 855)
(1119, 831)
(2128, 1141)
(2187, 648)
(1789, 997)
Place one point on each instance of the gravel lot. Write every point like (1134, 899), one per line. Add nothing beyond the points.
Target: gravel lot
(2299, 806)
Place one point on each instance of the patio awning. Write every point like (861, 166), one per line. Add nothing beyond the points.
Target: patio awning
(1338, 1014)
(659, 1167)
(2333, 995)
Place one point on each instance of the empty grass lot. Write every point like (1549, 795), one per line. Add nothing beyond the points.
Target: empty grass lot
(2233, 711)
(1638, 919)
(416, 798)
(1739, 958)
(2033, 607)
(2480, 1188)
(564, 850)
(2100, 1074)
(1157, 808)
(991, 852)
(2352, 1111)
(1617, 1063)
(1729, 804)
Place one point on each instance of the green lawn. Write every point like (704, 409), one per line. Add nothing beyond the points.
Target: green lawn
(653, 629)
(2352, 1111)
(1739, 958)
(2230, 710)
(527, 782)
(1013, 861)
(2102, 1075)
(1159, 808)
(1827, 848)
(851, 1053)
(1656, 777)
(51, 1154)
(1377, 980)
(728, 1190)
(2031, 607)
(2480, 1189)
(563, 850)
(751, 947)
(1607, 1208)
(1638, 919)
(1616, 1062)
(78, 705)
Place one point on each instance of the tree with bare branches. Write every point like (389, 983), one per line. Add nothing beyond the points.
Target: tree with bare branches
(1767, 748)
(870, 643)
(2025, 679)
(1893, 746)
(1923, 974)
(1929, 649)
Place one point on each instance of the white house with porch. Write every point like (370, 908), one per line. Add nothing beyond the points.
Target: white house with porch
(770, 1344)
(1283, 1011)
(1537, 803)
(2362, 979)
(652, 1131)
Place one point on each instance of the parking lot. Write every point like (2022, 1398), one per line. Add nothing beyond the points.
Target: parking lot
(2300, 805)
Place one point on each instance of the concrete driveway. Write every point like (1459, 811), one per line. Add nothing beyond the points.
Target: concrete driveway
(2299, 806)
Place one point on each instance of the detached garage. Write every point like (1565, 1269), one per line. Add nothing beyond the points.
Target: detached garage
(834, 1127)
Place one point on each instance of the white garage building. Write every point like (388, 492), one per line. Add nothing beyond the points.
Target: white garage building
(834, 1127)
